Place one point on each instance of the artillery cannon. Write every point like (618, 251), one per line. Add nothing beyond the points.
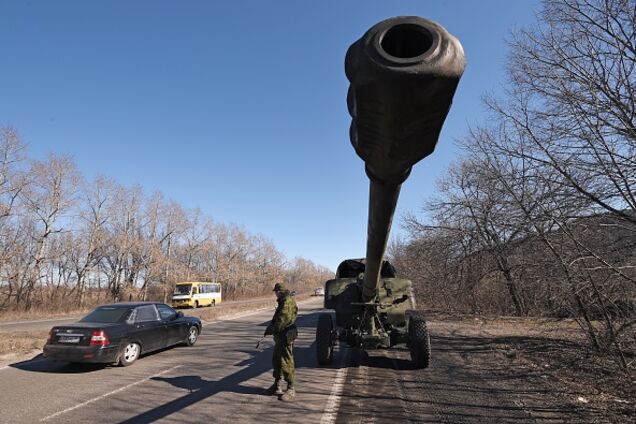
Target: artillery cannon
(403, 74)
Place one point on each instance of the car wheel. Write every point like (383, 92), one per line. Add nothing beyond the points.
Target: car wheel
(130, 354)
(196, 304)
(193, 335)
(213, 302)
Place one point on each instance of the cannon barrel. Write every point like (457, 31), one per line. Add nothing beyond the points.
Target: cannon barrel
(403, 73)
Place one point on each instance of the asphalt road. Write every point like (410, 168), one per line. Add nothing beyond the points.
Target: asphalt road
(221, 378)
(218, 380)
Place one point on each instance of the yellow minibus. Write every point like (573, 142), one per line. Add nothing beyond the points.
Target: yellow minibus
(193, 294)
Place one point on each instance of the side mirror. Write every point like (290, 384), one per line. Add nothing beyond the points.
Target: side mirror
(179, 314)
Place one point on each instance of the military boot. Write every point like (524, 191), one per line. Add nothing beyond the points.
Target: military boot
(289, 394)
(274, 389)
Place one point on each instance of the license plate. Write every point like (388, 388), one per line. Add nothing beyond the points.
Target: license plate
(69, 339)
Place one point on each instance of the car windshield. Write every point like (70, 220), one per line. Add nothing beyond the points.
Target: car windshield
(182, 289)
(106, 315)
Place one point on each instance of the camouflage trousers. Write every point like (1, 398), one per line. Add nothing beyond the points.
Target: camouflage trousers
(283, 360)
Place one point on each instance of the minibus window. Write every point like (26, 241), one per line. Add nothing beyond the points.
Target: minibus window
(182, 289)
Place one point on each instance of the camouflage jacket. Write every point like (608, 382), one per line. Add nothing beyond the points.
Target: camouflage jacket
(285, 314)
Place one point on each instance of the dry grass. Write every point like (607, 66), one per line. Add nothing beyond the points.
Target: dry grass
(53, 304)
(19, 343)
(10, 316)
(507, 326)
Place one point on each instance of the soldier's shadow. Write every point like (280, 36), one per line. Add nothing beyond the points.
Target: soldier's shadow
(200, 389)
(252, 367)
(257, 363)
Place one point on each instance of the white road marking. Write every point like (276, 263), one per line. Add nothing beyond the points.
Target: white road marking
(121, 389)
(330, 413)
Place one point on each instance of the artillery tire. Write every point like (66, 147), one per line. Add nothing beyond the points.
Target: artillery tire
(419, 342)
(324, 343)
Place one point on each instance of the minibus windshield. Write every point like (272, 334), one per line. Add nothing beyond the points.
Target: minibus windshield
(182, 289)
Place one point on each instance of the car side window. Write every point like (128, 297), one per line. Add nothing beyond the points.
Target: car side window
(166, 312)
(146, 313)
(130, 319)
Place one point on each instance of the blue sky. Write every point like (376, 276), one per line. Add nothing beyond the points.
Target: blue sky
(237, 108)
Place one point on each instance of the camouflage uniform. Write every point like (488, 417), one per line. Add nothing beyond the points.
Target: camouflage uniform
(284, 317)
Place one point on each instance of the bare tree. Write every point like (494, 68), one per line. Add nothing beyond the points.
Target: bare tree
(473, 206)
(573, 97)
(91, 239)
(50, 195)
(12, 183)
(124, 212)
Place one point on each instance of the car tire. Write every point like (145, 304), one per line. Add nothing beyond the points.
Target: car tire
(130, 354)
(213, 302)
(196, 304)
(193, 336)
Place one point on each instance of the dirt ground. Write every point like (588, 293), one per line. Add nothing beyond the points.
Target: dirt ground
(503, 370)
(549, 355)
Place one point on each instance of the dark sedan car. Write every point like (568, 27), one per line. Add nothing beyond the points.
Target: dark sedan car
(120, 333)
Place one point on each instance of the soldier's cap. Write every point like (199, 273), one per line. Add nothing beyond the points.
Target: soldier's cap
(279, 287)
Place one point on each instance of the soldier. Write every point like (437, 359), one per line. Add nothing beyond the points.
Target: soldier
(283, 328)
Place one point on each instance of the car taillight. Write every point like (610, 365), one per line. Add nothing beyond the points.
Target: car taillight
(99, 338)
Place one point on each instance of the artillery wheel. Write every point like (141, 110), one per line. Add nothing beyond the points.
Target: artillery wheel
(419, 342)
(324, 343)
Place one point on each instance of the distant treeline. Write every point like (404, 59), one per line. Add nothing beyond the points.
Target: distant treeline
(539, 215)
(67, 242)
